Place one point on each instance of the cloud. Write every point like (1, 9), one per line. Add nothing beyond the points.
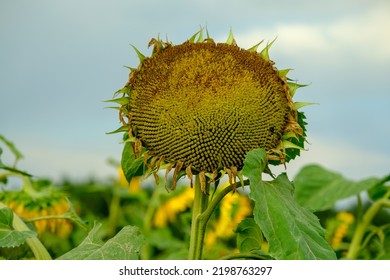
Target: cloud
(360, 35)
(337, 155)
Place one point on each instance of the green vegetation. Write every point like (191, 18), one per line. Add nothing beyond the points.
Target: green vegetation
(279, 219)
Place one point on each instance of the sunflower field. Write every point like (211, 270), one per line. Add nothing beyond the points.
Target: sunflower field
(202, 122)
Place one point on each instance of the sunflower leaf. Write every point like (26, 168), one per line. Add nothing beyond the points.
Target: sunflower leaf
(125, 245)
(254, 164)
(9, 237)
(293, 232)
(249, 236)
(6, 217)
(318, 188)
(380, 190)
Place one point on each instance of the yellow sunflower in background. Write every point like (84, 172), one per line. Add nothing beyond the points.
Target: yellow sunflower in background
(29, 207)
(338, 228)
(234, 208)
(134, 185)
(170, 209)
(199, 107)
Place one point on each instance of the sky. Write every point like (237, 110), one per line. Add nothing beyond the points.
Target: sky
(59, 60)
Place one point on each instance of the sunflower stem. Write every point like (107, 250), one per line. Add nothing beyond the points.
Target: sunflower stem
(199, 222)
(361, 229)
(365, 221)
(205, 216)
(197, 231)
(357, 239)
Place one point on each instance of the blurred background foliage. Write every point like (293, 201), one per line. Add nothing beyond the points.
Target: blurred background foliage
(164, 217)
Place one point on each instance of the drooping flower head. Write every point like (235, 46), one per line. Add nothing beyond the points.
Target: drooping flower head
(200, 107)
(48, 202)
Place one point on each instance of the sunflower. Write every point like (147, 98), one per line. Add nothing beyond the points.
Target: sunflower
(28, 207)
(201, 106)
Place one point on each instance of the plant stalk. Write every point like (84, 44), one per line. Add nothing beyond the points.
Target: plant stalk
(362, 226)
(197, 231)
(200, 219)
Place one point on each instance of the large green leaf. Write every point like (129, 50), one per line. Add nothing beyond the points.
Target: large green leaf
(293, 232)
(6, 217)
(9, 237)
(249, 236)
(123, 246)
(318, 188)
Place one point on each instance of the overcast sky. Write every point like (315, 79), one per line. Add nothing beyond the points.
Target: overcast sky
(60, 59)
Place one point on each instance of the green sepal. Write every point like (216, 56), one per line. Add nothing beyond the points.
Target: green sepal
(124, 90)
(130, 139)
(264, 53)
(289, 135)
(302, 123)
(193, 37)
(121, 101)
(293, 87)
(132, 69)
(200, 37)
(132, 166)
(284, 72)
(296, 139)
(139, 54)
(120, 129)
(289, 145)
(208, 35)
(299, 105)
(254, 48)
(230, 40)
